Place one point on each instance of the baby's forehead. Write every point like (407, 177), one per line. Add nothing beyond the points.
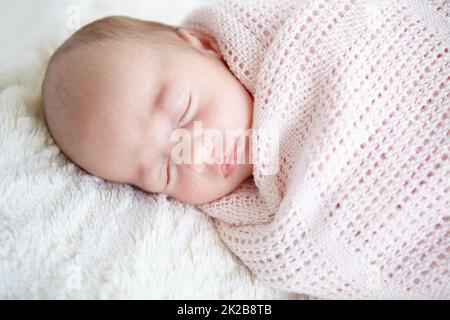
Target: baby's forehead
(114, 88)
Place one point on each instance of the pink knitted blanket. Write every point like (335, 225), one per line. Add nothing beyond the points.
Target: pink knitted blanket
(359, 92)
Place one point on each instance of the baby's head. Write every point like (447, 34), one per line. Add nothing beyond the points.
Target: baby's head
(118, 92)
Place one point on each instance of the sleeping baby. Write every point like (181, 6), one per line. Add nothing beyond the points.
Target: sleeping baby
(122, 98)
(314, 133)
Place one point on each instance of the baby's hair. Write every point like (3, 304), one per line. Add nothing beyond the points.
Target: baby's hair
(117, 29)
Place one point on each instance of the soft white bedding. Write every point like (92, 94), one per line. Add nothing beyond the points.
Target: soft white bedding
(66, 234)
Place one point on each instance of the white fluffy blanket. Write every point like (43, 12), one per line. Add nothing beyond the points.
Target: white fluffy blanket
(65, 234)
(353, 202)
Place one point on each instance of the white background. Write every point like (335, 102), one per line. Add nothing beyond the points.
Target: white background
(26, 23)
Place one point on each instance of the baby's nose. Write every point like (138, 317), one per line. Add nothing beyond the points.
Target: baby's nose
(203, 152)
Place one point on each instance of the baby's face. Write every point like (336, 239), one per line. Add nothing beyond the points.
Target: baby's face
(137, 100)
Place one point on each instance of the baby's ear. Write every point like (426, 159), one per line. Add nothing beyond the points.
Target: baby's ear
(201, 42)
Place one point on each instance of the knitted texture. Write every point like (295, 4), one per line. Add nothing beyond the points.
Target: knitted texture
(359, 92)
